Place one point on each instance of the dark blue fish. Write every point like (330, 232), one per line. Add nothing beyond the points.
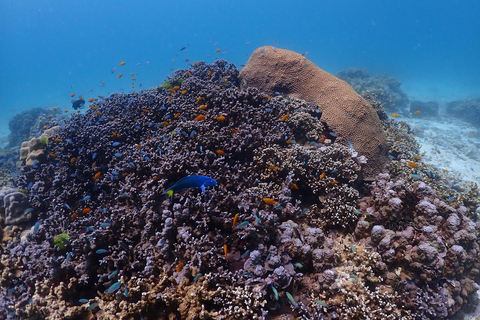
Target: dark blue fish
(191, 182)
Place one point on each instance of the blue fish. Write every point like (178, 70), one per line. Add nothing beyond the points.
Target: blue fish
(115, 144)
(191, 182)
(101, 251)
(114, 287)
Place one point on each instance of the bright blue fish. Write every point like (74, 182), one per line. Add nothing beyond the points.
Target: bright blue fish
(191, 182)
(115, 144)
(101, 251)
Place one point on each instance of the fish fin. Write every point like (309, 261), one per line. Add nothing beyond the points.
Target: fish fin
(202, 187)
(170, 193)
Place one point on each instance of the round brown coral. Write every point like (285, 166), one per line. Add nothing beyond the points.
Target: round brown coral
(348, 115)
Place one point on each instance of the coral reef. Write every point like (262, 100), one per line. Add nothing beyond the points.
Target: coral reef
(466, 109)
(290, 230)
(386, 88)
(21, 125)
(14, 207)
(32, 151)
(352, 120)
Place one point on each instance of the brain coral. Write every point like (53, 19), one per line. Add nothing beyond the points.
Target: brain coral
(350, 117)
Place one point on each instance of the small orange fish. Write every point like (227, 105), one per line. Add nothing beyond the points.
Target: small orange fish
(417, 112)
(284, 118)
(335, 182)
(57, 140)
(97, 175)
(90, 100)
(221, 118)
(235, 131)
(209, 73)
(74, 216)
(416, 156)
(144, 110)
(179, 266)
(134, 79)
(119, 76)
(184, 91)
(199, 118)
(187, 73)
(203, 107)
(220, 152)
(169, 99)
(412, 164)
(98, 113)
(172, 91)
(218, 50)
(164, 123)
(235, 221)
(396, 115)
(101, 97)
(269, 201)
(65, 111)
(225, 250)
(195, 63)
(133, 86)
(294, 186)
(226, 81)
(289, 140)
(49, 115)
(86, 210)
(199, 98)
(445, 171)
(54, 108)
(52, 155)
(322, 175)
(80, 98)
(132, 74)
(72, 95)
(272, 167)
(267, 97)
(176, 87)
(73, 160)
(122, 63)
(176, 115)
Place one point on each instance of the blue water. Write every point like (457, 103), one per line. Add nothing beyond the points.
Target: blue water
(50, 49)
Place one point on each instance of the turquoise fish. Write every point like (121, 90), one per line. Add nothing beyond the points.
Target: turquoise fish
(191, 182)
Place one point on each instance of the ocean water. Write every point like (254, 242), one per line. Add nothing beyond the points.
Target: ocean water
(51, 49)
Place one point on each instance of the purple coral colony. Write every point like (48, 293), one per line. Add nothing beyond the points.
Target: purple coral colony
(289, 231)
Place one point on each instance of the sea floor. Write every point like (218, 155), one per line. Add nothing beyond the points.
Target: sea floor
(451, 145)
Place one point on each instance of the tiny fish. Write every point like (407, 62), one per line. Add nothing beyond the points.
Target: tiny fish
(354, 249)
(199, 118)
(197, 277)
(241, 225)
(36, 227)
(321, 303)
(246, 253)
(269, 201)
(292, 301)
(105, 224)
(82, 301)
(118, 154)
(354, 277)
(114, 287)
(101, 251)
(125, 291)
(225, 250)
(235, 221)
(86, 198)
(297, 265)
(122, 63)
(116, 144)
(92, 306)
(275, 292)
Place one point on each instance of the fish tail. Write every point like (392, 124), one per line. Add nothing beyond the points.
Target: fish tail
(170, 193)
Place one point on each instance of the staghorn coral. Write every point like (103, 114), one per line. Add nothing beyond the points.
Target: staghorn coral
(343, 110)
